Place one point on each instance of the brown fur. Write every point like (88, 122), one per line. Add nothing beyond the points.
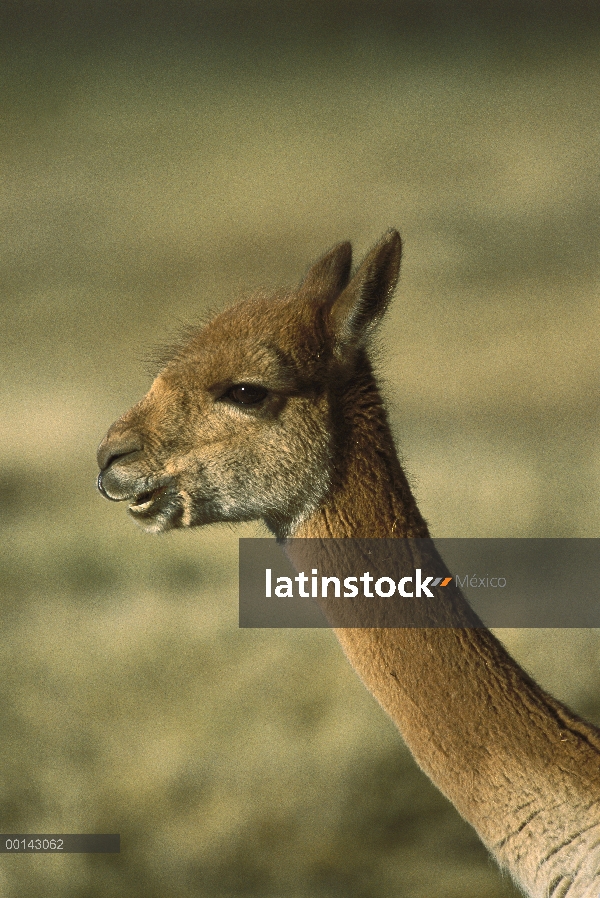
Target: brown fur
(314, 457)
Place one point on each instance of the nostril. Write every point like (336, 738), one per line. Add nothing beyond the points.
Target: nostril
(112, 448)
(113, 456)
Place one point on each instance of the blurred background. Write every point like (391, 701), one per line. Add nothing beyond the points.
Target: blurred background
(156, 160)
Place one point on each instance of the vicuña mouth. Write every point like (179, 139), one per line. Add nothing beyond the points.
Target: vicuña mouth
(144, 501)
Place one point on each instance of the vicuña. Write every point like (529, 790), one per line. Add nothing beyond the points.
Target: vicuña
(271, 411)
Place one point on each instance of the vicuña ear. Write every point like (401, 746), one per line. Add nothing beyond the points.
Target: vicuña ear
(360, 307)
(329, 276)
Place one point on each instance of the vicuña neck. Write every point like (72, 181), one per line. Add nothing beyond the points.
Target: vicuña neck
(518, 765)
(369, 495)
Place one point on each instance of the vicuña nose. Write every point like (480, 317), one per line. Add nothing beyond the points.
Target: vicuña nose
(115, 446)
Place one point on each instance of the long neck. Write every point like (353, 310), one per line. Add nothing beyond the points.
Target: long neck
(518, 765)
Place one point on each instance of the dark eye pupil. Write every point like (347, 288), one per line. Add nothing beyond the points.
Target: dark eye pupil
(247, 394)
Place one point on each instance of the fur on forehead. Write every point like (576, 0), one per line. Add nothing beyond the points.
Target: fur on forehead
(281, 335)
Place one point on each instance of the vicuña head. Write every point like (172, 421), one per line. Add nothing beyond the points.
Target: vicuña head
(253, 417)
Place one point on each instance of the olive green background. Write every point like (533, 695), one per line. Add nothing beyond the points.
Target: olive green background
(157, 160)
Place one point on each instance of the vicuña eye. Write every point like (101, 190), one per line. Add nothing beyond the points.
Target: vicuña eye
(246, 394)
